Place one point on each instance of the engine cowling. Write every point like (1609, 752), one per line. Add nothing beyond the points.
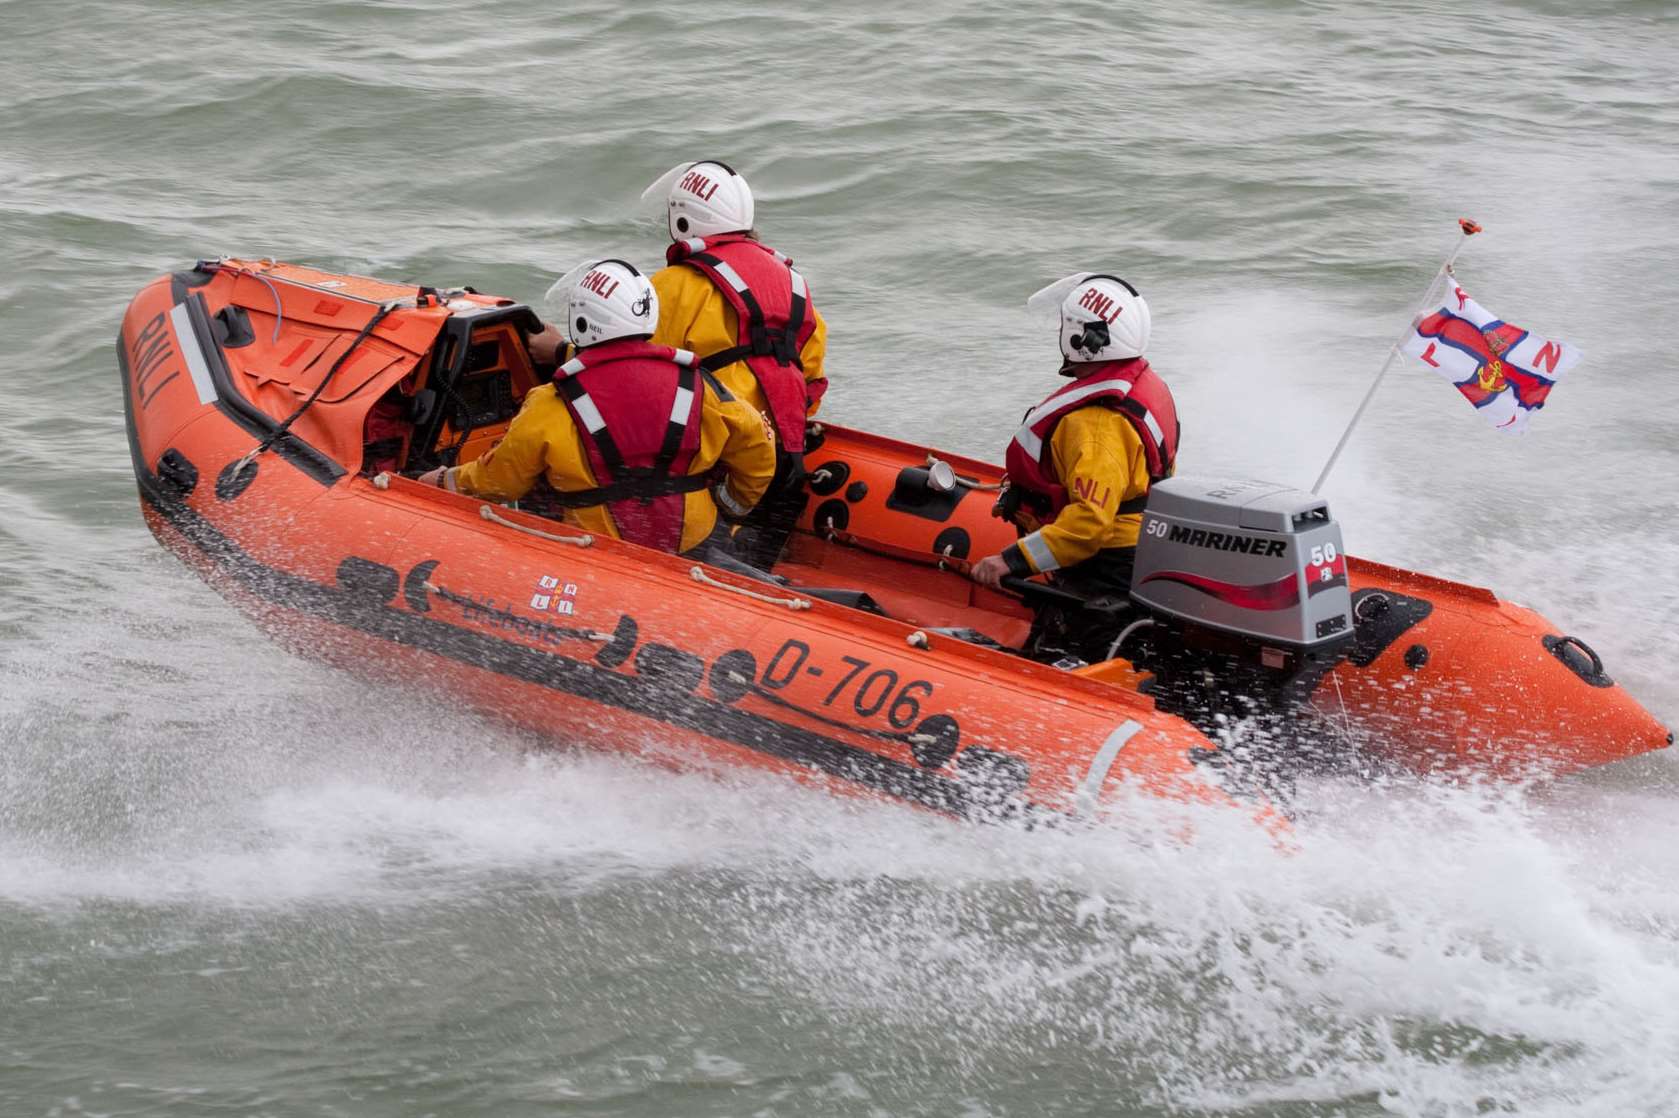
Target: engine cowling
(1248, 558)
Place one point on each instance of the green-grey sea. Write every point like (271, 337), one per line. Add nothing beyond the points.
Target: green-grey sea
(236, 883)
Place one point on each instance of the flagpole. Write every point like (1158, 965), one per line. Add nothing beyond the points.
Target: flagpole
(1466, 230)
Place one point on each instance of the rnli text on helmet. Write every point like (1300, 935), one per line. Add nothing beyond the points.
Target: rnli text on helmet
(601, 283)
(1097, 303)
(695, 183)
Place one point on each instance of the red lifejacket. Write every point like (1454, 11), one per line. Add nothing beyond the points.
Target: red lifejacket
(771, 304)
(1131, 388)
(637, 409)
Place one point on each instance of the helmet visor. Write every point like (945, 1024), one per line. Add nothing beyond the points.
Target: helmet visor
(557, 300)
(656, 197)
(1046, 301)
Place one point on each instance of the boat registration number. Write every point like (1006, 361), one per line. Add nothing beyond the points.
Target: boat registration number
(870, 691)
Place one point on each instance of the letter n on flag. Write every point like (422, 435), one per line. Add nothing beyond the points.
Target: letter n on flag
(1504, 371)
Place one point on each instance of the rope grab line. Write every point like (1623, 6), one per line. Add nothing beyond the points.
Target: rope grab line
(699, 575)
(490, 514)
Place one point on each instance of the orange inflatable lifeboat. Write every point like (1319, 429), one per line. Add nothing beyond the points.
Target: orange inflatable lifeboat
(273, 411)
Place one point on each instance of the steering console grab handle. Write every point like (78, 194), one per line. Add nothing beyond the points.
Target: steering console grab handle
(1038, 592)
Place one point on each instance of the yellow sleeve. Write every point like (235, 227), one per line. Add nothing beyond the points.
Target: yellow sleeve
(507, 470)
(737, 436)
(693, 314)
(1099, 457)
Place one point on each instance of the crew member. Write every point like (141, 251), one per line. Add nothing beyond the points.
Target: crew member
(744, 309)
(1080, 466)
(635, 440)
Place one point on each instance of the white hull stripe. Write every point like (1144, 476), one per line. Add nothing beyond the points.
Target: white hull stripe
(1038, 551)
(679, 408)
(590, 414)
(197, 369)
(1090, 789)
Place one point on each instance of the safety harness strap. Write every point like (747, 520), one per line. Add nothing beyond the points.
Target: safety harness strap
(761, 341)
(638, 483)
(796, 311)
(630, 482)
(1141, 415)
(681, 410)
(593, 422)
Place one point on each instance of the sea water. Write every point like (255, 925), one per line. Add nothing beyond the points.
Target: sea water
(233, 882)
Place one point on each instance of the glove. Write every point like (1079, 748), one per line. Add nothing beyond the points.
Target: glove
(1010, 506)
(796, 472)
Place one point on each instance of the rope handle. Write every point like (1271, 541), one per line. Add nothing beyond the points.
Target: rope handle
(382, 480)
(948, 561)
(699, 575)
(279, 313)
(490, 514)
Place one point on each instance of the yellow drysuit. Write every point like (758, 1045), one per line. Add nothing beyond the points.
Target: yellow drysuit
(1098, 456)
(543, 439)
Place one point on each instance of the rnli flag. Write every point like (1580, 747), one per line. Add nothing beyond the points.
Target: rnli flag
(1504, 371)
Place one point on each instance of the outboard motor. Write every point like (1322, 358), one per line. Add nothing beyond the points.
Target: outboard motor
(1246, 583)
(1247, 558)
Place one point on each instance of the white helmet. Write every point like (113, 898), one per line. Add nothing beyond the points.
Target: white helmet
(1102, 317)
(604, 301)
(702, 200)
